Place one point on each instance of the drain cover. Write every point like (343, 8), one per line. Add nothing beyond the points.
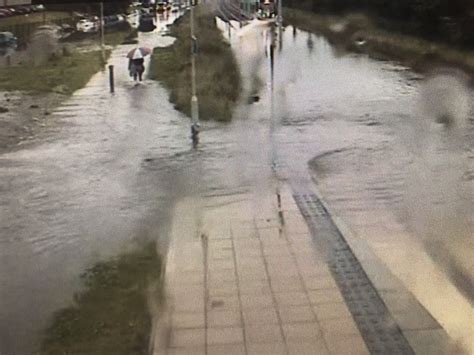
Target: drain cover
(379, 330)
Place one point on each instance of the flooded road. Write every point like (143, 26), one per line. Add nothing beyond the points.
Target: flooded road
(80, 196)
(367, 133)
(113, 170)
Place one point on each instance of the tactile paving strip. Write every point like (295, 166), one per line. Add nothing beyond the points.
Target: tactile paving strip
(381, 333)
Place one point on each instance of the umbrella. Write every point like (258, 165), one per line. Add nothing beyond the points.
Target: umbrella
(138, 53)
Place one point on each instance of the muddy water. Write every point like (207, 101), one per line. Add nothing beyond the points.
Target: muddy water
(80, 196)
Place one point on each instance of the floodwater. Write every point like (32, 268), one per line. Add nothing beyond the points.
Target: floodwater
(112, 170)
(371, 135)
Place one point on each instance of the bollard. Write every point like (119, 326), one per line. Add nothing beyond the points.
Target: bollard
(111, 78)
(9, 60)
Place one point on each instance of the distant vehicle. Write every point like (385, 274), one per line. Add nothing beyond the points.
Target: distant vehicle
(39, 7)
(22, 10)
(87, 26)
(7, 39)
(161, 7)
(66, 30)
(113, 20)
(146, 24)
(266, 9)
(6, 12)
(28, 8)
(5, 51)
(175, 8)
(133, 20)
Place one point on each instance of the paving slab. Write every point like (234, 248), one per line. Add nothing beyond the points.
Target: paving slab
(249, 284)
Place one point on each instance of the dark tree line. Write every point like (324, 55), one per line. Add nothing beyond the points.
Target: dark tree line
(447, 20)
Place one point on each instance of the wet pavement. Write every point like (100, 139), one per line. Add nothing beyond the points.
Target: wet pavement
(117, 164)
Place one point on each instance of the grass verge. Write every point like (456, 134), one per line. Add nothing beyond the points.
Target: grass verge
(111, 316)
(417, 53)
(218, 76)
(63, 73)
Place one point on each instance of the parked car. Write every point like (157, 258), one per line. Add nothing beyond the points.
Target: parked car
(66, 30)
(87, 26)
(38, 7)
(146, 24)
(21, 10)
(7, 39)
(113, 20)
(6, 51)
(6, 12)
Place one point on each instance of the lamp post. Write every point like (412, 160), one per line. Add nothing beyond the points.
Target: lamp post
(194, 99)
(102, 40)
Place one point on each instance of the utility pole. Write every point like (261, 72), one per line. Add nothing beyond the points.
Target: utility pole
(102, 37)
(194, 99)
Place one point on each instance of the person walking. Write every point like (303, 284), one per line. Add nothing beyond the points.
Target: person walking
(136, 62)
(136, 68)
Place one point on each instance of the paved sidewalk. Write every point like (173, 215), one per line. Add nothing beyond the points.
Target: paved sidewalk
(241, 282)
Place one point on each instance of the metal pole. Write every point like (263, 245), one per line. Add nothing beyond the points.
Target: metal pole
(280, 21)
(111, 79)
(102, 39)
(194, 99)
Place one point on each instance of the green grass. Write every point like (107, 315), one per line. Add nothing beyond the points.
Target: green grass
(63, 73)
(115, 38)
(218, 77)
(72, 72)
(418, 53)
(111, 316)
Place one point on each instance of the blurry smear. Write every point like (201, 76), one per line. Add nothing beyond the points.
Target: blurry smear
(445, 98)
(43, 44)
(439, 204)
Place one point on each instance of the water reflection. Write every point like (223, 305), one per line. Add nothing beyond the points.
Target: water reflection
(310, 43)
